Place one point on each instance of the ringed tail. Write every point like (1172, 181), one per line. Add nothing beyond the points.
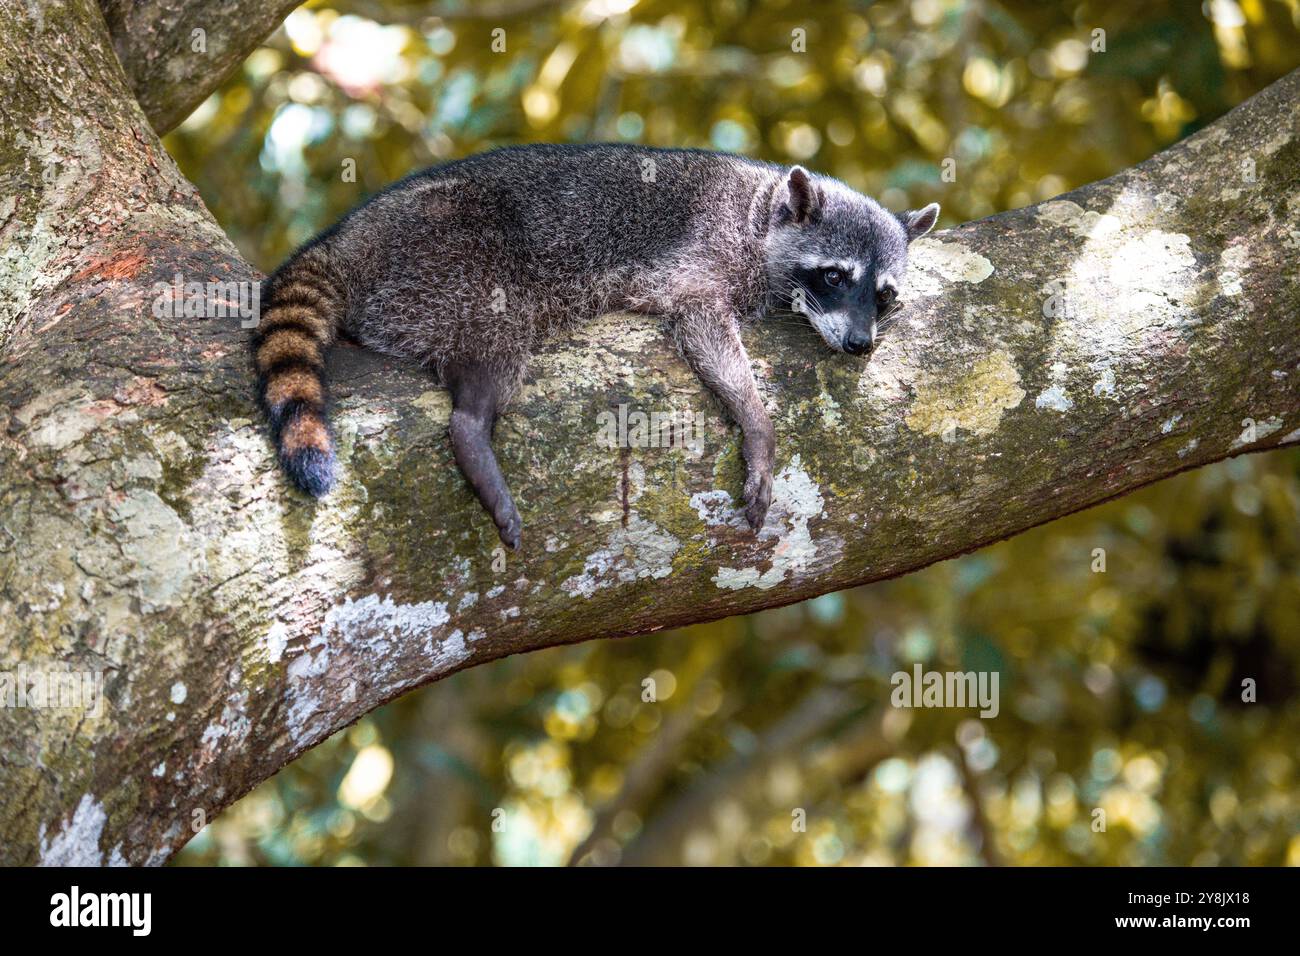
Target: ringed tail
(302, 307)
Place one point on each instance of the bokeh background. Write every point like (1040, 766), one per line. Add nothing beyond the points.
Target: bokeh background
(772, 740)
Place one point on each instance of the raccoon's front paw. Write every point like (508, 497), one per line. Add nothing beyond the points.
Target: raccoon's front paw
(758, 498)
(509, 525)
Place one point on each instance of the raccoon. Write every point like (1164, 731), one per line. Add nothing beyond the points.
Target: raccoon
(466, 267)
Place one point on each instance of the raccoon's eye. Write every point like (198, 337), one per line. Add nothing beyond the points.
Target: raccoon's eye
(833, 277)
(885, 297)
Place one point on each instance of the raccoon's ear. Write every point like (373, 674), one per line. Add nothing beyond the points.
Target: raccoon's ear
(918, 222)
(802, 202)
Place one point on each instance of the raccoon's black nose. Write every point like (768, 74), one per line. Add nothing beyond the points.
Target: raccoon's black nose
(858, 343)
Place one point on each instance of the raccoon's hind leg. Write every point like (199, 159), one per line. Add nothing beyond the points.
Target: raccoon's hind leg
(477, 397)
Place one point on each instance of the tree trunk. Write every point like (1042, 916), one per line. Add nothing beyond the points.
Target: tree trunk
(1049, 358)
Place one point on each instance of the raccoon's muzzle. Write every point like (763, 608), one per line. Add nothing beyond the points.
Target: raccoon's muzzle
(302, 308)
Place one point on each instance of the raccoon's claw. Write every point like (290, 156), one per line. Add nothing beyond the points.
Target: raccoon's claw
(508, 527)
(758, 495)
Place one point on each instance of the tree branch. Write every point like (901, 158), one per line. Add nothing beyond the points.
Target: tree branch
(176, 52)
(147, 538)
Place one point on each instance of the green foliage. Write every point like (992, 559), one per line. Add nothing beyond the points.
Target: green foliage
(1121, 690)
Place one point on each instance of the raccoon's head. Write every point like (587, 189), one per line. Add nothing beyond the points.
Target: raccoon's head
(838, 257)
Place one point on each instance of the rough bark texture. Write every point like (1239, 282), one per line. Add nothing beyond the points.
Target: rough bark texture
(176, 52)
(146, 534)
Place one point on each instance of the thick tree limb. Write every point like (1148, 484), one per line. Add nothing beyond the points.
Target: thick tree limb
(146, 535)
(176, 52)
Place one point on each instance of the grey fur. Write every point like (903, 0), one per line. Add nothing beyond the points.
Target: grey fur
(465, 267)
